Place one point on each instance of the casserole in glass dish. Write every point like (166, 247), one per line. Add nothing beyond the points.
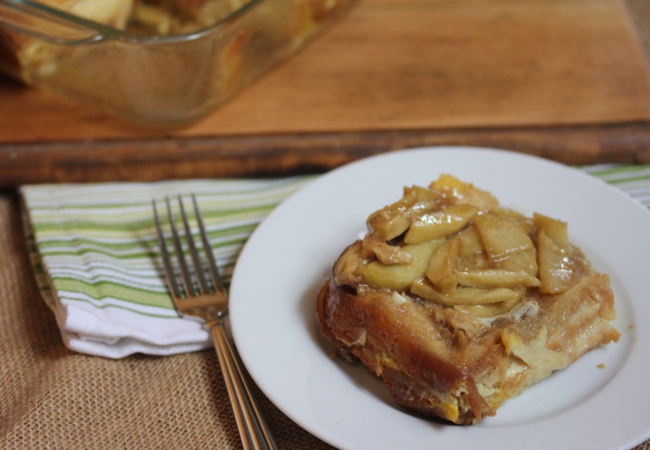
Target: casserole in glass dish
(160, 62)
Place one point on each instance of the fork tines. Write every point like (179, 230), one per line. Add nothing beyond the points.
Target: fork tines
(188, 275)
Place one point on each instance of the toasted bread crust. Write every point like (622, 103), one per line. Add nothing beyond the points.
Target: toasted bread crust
(414, 375)
(433, 364)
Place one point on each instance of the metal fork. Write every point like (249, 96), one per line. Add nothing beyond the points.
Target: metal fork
(210, 302)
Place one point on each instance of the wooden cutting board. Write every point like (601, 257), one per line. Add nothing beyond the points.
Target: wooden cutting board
(564, 79)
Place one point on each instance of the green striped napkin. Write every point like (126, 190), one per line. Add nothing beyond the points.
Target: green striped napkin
(96, 257)
(95, 254)
(632, 179)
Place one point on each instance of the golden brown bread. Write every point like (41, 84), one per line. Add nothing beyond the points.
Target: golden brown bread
(460, 359)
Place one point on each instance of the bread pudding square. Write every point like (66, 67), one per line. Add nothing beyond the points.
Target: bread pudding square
(459, 303)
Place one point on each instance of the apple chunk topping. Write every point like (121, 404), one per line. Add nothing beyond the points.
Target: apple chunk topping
(453, 244)
(393, 220)
(555, 268)
(491, 278)
(442, 266)
(440, 223)
(470, 242)
(464, 193)
(556, 230)
(463, 295)
(398, 277)
(501, 237)
(508, 246)
(386, 254)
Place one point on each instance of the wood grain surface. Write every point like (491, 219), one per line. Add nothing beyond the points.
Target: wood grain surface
(564, 79)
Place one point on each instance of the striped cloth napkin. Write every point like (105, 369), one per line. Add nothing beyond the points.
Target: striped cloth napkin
(95, 253)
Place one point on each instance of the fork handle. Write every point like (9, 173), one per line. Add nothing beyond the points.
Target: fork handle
(253, 428)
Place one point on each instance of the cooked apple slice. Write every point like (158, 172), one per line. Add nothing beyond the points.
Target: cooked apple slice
(501, 237)
(386, 254)
(493, 278)
(507, 212)
(470, 241)
(508, 246)
(555, 229)
(525, 260)
(442, 267)
(478, 261)
(488, 310)
(555, 268)
(399, 277)
(471, 251)
(464, 193)
(440, 224)
(393, 220)
(462, 296)
(515, 217)
(419, 194)
(389, 223)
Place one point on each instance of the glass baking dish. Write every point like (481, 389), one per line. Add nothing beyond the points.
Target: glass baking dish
(156, 64)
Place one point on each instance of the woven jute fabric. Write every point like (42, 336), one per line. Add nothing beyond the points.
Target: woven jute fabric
(52, 398)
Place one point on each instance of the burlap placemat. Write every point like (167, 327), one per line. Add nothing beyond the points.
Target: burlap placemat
(54, 398)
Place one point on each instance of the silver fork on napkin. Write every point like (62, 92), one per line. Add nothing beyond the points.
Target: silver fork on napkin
(209, 301)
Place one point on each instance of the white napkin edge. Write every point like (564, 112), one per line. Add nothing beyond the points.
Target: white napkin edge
(124, 347)
(119, 333)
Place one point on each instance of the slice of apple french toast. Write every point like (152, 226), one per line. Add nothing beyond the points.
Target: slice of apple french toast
(458, 303)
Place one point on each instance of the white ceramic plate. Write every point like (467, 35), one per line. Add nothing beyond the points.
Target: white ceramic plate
(289, 256)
